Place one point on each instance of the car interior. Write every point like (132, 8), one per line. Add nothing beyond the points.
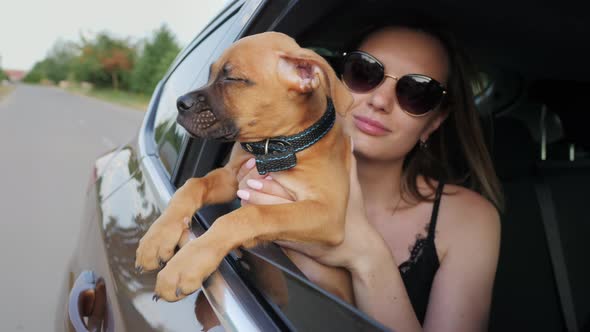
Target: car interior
(533, 63)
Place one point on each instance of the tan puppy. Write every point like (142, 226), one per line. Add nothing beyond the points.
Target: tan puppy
(264, 86)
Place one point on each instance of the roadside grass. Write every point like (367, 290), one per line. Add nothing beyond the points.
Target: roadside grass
(124, 98)
(5, 90)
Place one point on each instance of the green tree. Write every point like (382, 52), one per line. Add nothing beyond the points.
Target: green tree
(116, 58)
(87, 66)
(60, 59)
(157, 55)
(105, 61)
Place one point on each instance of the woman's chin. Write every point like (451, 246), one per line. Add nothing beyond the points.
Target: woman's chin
(376, 149)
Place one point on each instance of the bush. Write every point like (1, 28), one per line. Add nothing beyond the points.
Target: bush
(3, 75)
(36, 74)
(107, 62)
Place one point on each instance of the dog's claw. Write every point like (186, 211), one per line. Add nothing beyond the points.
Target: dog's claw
(178, 292)
(139, 269)
(156, 297)
(161, 263)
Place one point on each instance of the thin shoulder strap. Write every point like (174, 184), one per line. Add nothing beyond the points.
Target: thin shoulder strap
(433, 218)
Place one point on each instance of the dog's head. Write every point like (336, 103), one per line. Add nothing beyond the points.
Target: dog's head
(262, 86)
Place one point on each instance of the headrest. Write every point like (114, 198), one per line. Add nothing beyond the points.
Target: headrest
(541, 122)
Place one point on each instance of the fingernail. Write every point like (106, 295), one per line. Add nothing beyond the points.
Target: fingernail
(243, 194)
(250, 163)
(254, 184)
(268, 177)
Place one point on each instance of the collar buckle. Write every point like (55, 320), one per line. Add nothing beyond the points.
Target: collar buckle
(276, 140)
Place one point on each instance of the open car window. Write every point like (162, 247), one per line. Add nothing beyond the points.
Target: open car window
(188, 75)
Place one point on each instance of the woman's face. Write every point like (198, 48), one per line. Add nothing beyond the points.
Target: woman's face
(380, 129)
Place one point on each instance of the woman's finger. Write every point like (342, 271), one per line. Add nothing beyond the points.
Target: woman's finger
(260, 198)
(247, 168)
(269, 187)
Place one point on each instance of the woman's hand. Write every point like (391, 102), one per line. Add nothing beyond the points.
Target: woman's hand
(260, 189)
(358, 234)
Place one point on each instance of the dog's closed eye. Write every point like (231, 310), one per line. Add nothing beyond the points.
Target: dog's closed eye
(231, 79)
(235, 79)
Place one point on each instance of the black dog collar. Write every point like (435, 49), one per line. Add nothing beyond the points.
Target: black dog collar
(278, 153)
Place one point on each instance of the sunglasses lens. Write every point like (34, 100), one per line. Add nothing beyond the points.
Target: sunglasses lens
(418, 94)
(361, 73)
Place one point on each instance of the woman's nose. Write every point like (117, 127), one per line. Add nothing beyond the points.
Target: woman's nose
(383, 97)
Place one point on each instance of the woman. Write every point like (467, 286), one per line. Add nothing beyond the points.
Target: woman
(407, 132)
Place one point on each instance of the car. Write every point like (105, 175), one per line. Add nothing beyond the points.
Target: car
(534, 68)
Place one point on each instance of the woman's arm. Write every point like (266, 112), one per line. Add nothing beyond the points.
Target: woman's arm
(461, 291)
(378, 286)
(462, 288)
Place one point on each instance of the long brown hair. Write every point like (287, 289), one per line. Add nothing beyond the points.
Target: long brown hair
(456, 152)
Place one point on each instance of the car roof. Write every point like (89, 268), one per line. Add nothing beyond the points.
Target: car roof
(526, 35)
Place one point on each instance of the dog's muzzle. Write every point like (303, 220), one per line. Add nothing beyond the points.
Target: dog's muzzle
(204, 117)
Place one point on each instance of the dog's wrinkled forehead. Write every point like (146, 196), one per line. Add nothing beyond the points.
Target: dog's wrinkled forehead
(258, 48)
(270, 38)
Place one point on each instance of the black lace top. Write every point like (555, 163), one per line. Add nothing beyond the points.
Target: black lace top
(419, 270)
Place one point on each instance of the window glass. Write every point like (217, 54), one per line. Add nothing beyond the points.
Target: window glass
(189, 75)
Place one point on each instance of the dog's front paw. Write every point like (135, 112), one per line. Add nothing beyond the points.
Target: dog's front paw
(185, 272)
(157, 246)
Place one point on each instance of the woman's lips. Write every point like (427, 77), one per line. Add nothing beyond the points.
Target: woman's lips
(370, 127)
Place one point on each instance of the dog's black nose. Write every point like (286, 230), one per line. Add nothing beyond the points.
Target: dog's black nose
(184, 103)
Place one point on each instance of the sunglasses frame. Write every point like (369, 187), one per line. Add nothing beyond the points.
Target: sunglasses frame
(346, 55)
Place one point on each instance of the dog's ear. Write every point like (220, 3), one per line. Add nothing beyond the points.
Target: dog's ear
(304, 71)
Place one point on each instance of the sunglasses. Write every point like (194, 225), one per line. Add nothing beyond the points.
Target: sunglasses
(416, 94)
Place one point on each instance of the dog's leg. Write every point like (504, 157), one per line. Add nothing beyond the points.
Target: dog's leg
(304, 221)
(158, 244)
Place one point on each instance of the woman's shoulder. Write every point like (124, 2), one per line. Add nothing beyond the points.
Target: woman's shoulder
(467, 203)
(465, 217)
(459, 202)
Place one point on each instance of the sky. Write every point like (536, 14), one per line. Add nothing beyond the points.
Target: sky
(29, 28)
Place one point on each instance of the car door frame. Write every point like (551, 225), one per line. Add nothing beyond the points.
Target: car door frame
(233, 301)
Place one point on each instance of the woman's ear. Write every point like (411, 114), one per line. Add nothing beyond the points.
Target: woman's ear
(304, 71)
(434, 124)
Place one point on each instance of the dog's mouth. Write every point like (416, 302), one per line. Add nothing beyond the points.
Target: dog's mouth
(206, 124)
(205, 119)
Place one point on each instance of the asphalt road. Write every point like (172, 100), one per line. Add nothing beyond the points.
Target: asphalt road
(48, 141)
